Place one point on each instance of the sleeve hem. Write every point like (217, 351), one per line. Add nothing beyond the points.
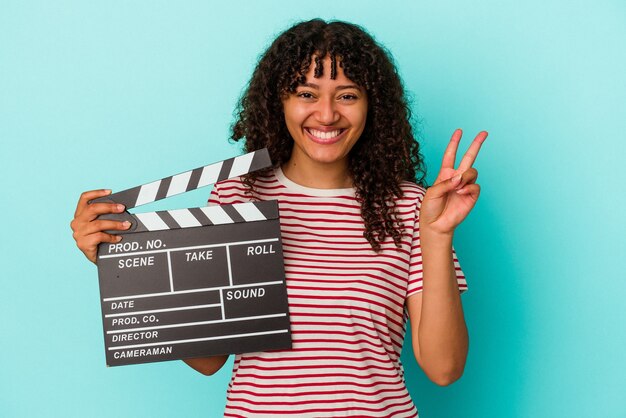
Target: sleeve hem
(462, 289)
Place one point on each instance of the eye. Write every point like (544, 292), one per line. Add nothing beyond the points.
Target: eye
(348, 97)
(305, 95)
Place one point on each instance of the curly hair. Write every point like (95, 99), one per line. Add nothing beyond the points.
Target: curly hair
(387, 152)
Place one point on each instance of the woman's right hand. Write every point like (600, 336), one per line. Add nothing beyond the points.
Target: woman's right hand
(88, 230)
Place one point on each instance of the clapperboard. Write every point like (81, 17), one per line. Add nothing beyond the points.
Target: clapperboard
(193, 282)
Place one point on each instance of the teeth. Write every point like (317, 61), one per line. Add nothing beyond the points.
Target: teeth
(324, 135)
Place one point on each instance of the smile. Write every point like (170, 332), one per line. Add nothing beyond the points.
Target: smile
(321, 137)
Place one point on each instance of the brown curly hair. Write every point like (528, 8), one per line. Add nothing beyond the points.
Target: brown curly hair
(386, 153)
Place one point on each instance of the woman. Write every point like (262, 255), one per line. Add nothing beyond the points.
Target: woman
(365, 247)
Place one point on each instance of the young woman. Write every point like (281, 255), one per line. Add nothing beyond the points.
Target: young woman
(366, 245)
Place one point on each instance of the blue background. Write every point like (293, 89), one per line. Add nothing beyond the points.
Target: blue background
(114, 94)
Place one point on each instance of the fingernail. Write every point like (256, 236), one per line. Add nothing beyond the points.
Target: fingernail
(119, 238)
(107, 191)
(126, 224)
(120, 208)
(456, 179)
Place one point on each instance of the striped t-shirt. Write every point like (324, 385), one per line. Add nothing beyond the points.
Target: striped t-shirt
(346, 305)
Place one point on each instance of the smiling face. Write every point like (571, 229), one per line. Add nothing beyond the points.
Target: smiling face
(325, 118)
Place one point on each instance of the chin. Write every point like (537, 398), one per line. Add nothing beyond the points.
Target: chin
(327, 158)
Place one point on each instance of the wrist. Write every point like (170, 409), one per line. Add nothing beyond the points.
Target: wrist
(436, 238)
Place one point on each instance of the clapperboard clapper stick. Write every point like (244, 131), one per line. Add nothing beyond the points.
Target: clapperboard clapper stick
(193, 282)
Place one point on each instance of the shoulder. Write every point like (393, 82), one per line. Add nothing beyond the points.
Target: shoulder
(412, 192)
(231, 191)
(408, 206)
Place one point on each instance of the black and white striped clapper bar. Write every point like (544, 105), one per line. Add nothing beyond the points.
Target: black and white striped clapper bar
(194, 282)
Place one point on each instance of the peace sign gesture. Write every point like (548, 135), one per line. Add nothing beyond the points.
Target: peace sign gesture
(455, 192)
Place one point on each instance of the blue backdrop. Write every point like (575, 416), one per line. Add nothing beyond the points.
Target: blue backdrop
(114, 94)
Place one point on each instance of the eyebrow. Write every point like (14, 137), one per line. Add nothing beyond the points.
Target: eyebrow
(342, 87)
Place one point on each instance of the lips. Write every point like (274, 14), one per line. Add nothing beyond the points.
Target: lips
(325, 137)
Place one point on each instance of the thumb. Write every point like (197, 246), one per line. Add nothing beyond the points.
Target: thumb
(442, 188)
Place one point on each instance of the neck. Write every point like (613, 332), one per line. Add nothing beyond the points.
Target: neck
(318, 175)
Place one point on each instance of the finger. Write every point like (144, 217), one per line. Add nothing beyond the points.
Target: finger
(455, 182)
(468, 177)
(87, 196)
(104, 237)
(94, 210)
(89, 245)
(471, 189)
(449, 156)
(472, 151)
(443, 187)
(104, 225)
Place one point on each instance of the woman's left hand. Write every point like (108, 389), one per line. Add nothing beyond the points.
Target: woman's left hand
(455, 192)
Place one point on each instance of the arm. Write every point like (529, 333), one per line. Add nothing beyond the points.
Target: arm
(88, 232)
(440, 339)
(207, 365)
(439, 333)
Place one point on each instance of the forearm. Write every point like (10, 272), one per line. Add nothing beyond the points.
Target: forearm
(443, 338)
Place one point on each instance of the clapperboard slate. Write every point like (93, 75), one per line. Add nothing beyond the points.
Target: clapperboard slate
(193, 282)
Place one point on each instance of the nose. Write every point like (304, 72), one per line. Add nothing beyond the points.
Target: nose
(326, 113)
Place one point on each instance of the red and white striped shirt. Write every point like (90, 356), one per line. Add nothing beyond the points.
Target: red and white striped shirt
(346, 304)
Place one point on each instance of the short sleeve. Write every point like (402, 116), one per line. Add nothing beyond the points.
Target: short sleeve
(415, 266)
(214, 197)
